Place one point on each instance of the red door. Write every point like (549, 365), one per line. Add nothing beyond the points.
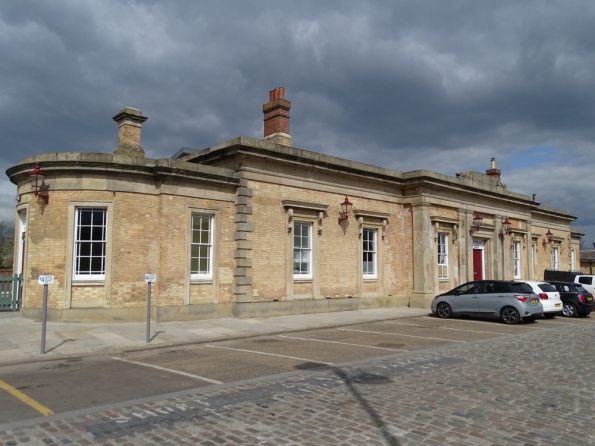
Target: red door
(478, 264)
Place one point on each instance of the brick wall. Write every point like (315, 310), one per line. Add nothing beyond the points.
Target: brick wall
(338, 250)
(149, 235)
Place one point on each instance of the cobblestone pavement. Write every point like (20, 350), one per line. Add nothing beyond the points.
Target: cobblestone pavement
(530, 389)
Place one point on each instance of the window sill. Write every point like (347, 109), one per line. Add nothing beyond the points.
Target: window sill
(302, 279)
(88, 283)
(370, 279)
(443, 279)
(200, 281)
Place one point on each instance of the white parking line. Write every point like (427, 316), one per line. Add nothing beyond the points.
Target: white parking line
(477, 322)
(564, 323)
(397, 334)
(268, 354)
(445, 328)
(213, 381)
(344, 343)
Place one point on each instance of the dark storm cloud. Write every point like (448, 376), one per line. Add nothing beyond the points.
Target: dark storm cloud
(436, 85)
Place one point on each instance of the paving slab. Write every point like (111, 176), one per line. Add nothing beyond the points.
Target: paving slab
(20, 338)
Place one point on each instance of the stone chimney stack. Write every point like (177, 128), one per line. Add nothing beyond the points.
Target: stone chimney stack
(492, 171)
(130, 121)
(276, 118)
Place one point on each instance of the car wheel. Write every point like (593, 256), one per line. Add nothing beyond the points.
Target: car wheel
(443, 310)
(530, 318)
(549, 315)
(569, 310)
(510, 315)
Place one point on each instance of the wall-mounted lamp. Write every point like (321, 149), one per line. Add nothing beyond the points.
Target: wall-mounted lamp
(346, 209)
(549, 236)
(477, 219)
(36, 177)
(505, 229)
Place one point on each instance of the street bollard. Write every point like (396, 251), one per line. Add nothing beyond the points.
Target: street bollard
(44, 315)
(149, 278)
(44, 280)
(149, 314)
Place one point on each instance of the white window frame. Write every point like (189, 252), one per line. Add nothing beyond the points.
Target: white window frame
(516, 259)
(307, 251)
(555, 259)
(370, 252)
(199, 243)
(572, 260)
(94, 243)
(442, 248)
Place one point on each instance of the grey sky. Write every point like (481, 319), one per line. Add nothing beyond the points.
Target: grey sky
(433, 85)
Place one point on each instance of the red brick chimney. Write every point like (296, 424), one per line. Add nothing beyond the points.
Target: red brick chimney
(276, 118)
(493, 172)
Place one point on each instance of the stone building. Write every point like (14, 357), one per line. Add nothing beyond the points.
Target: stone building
(256, 228)
(587, 257)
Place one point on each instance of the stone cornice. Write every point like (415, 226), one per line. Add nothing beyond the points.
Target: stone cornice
(447, 220)
(372, 214)
(266, 149)
(472, 183)
(304, 205)
(545, 210)
(81, 162)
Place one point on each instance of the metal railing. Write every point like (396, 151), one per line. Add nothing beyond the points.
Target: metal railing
(10, 292)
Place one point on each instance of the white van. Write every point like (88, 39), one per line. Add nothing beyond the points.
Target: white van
(586, 280)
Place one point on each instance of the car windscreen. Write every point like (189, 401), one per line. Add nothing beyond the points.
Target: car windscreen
(520, 288)
(546, 287)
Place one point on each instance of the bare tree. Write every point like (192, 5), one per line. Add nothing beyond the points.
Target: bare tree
(6, 244)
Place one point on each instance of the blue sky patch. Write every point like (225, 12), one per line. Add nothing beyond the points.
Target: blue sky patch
(531, 157)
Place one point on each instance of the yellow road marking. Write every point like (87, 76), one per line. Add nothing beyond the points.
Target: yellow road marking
(25, 399)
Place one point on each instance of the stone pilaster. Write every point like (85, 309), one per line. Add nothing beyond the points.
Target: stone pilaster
(463, 240)
(423, 257)
(469, 249)
(242, 288)
(529, 247)
(500, 250)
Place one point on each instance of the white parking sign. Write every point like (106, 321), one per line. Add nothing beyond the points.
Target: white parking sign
(46, 280)
(150, 277)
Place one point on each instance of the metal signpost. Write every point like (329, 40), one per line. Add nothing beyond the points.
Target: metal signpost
(45, 281)
(149, 278)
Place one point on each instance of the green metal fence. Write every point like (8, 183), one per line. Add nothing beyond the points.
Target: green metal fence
(10, 293)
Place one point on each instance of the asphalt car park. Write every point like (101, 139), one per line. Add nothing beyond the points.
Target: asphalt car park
(78, 383)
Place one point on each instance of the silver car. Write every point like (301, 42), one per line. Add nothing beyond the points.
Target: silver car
(502, 299)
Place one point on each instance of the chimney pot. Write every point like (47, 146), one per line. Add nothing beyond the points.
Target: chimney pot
(281, 92)
(129, 121)
(493, 161)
